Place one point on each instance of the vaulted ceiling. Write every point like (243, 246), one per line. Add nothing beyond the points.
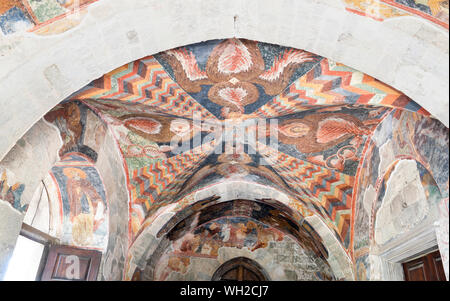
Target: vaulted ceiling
(317, 116)
(235, 138)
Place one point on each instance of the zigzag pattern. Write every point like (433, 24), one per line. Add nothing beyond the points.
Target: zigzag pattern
(163, 176)
(144, 81)
(329, 190)
(330, 83)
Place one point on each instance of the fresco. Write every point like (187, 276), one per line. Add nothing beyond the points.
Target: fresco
(43, 17)
(438, 9)
(233, 77)
(14, 17)
(240, 225)
(71, 120)
(12, 193)
(318, 113)
(435, 11)
(401, 136)
(84, 205)
(144, 137)
(270, 71)
(259, 211)
(152, 81)
(332, 137)
(205, 243)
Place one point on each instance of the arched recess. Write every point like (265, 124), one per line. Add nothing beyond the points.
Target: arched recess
(257, 272)
(403, 218)
(151, 238)
(71, 141)
(400, 51)
(262, 229)
(402, 183)
(73, 193)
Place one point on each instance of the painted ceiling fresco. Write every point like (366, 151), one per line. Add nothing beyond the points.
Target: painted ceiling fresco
(312, 118)
(48, 17)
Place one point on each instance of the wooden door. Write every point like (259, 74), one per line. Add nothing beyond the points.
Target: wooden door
(240, 269)
(426, 268)
(240, 273)
(71, 264)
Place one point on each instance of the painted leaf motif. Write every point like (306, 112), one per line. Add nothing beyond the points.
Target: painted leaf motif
(235, 58)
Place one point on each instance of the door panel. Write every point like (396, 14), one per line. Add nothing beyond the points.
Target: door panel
(437, 266)
(71, 264)
(426, 268)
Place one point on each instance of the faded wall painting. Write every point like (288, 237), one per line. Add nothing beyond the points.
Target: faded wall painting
(324, 112)
(43, 17)
(418, 146)
(50, 17)
(256, 229)
(435, 11)
(12, 192)
(84, 205)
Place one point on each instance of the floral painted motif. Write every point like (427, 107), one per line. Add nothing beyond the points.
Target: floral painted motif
(234, 73)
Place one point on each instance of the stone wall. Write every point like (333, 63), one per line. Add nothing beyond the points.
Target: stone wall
(403, 180)
(196, 254)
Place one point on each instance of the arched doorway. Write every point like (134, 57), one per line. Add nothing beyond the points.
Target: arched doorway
(240, 269)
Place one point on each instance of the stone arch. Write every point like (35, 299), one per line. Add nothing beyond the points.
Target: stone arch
(400, 137)
(408, 216)
(42, 148)
(45, 64)
(149, 238)
(416, 186)
(252, 265)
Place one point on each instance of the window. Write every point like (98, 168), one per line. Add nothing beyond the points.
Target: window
(25, 261)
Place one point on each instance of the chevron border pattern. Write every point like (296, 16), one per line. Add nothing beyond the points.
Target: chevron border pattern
(144, 81)
(331, 83)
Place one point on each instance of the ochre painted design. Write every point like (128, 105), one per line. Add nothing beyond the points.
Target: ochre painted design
(324, 114)
(331, 83)
(435, 11)
(43, 17)
(234, 70)
(400, 136)
(144, 82)
(71, 118)
(238, 224)
(375, 9)
(84, 216)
